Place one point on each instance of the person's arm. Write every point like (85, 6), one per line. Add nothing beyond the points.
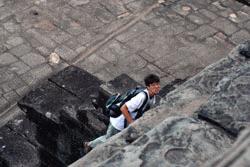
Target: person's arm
(125, 112)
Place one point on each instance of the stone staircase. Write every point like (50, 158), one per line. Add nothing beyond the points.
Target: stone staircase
(194, 124)
(59, 115)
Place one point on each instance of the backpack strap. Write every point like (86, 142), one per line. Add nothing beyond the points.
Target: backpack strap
(139, 111)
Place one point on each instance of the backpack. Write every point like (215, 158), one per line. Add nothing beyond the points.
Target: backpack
(115, 102)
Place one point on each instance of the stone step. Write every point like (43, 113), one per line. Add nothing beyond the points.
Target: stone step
(16, 151)
(78, 82)
(60, 116)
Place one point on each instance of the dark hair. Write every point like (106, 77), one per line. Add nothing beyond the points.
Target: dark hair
(151, 78)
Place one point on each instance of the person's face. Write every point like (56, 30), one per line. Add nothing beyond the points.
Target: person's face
(154, 88)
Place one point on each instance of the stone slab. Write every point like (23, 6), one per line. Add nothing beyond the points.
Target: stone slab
(177, 141)
(228, 107)
(16, 151)
(236, 156)
(57, 146)
(45, 140)
(55, 106)
(78, 82)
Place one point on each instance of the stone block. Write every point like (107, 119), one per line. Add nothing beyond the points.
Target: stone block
(7, 58)
(104, 15)
(133, 32)
(12, 27)
(182, 9)
(208, 14)
(56, 107)
(5, 75)
(21, 50)
(3, 104)
(5, 13)
(204, 32)
(33, 59)
(240, 18)
(197, 19)
(93, 63)
(225, 26)
(75, 28)
(126, 65)
(22, 90)
(44, 51)
(85, 37)
(240, 37)
(16, 83)
(41, 72)
(16, 151)
(11, 96)
(235, 5)
(65, 53)
(14, 41)
(19, 67)
(236, 156)
(164, 45)
(77, 81)
(113, 51)
(41, 38)
(247, 25)
(60, 36)
(72, 43)
(228, 107)
(46, 139)
(115, 7)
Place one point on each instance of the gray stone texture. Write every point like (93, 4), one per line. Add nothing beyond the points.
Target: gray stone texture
(240, 36)
(12, 27)
(3, 104)
(20, 50)
(204, 32)
(174, 142)
(238, 155)
(7, 58)
(224, 25)
(133, 32)
(11, 96)
(41, 38)
(228, 106)
(33, 59)
(19, 67)
(208, 14)
(144, 143)
(198, 19)
(14, 41)
(65, 53)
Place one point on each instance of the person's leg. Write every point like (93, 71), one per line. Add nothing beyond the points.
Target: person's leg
(110, 132)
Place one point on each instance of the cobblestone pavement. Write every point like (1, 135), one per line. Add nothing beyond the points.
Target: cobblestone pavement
(175, 39)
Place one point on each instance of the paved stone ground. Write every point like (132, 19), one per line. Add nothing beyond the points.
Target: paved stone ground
(175, 39)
